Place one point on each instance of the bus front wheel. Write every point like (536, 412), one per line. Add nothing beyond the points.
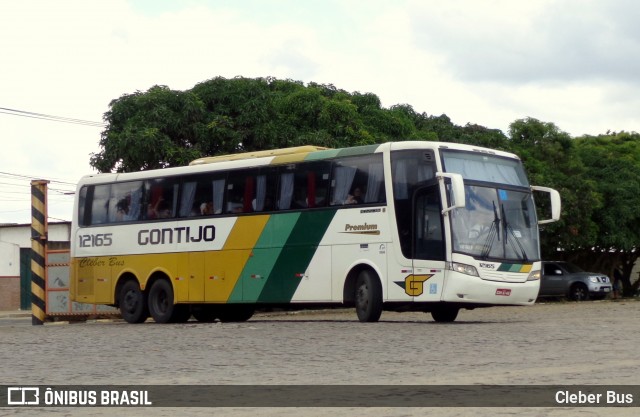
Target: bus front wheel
(235, 313)
(445, 314)
(204, 313)
(161, 305)
(133, 303)
(368, 297)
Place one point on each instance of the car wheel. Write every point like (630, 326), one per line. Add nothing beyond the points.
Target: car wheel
(579, 292)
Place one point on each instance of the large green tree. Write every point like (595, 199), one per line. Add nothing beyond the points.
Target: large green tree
(163, 127)
(155, 129)
(551, 160)
(613, 162)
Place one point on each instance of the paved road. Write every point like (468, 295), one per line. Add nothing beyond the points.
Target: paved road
(553, 343)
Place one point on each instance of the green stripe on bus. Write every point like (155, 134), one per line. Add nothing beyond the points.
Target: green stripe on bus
(265, 253)
(338, 153)
(506, 267)
(316, 156)
(358, 150)
(296, 256)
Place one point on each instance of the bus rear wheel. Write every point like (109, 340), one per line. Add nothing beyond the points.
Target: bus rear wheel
(368, 297)
(133, 303)
(161, 305)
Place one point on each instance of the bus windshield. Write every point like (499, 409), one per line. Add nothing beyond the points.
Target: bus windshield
(496, 224)
(485, 167)
(498, 220)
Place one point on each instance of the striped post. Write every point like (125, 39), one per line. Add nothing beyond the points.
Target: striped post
(38, 247)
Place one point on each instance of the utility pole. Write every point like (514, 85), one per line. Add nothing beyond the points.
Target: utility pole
(39, 232)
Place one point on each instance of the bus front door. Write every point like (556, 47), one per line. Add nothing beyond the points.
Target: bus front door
(428, 245)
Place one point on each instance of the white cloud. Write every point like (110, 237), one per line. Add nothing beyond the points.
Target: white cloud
(570, 62)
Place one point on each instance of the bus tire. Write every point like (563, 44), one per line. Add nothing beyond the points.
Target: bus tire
(133, 303)
(235, 313)
(368, 297)
(445, 314)
(204, 313)
(181, 313)
(161, 305)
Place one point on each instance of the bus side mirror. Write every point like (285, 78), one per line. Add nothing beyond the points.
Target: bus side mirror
(457, 190)
(555, 203)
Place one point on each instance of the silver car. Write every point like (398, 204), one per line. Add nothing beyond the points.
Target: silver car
(564, 279)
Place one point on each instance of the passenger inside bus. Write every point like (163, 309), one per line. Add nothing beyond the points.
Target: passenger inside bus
(122, 208)
(206, 209)
(355, 197)
(163, 211)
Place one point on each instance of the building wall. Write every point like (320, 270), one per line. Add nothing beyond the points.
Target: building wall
(12, 238)
(9, 276)
(20, 234)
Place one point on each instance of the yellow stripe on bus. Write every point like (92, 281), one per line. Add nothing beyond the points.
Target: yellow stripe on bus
(245, 232)
(289, 159)
(223, 268)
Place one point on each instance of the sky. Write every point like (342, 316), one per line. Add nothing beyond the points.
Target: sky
(574, 63)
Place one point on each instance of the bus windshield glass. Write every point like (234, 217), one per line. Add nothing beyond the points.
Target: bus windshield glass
(485, 167)
(496, 224)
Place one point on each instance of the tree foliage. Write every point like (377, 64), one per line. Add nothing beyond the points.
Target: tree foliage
(163, 127)
(551, 159)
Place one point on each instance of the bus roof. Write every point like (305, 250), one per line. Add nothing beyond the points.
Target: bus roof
(258, 154)
(283, 156)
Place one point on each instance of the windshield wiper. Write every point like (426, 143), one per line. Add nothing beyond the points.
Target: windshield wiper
(494, 232)
(508, 231)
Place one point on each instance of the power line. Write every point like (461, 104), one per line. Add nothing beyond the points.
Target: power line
(42, 116)
(9, 175)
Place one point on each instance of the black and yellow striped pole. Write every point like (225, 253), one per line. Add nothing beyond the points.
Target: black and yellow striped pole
(39, 232)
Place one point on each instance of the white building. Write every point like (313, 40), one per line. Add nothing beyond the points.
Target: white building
(15, 260)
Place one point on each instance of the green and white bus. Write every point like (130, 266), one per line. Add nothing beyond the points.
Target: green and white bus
(402, 226)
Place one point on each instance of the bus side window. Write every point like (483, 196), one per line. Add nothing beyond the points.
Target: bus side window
(125, 201)
(265, 190)
(86, 194)
(201, 196)
(358, 180)
(161, 198)
(100, 204)
(285, 196)
(236, 192)
(304, 185)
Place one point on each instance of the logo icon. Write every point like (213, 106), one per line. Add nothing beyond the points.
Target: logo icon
(414, 284)
(23, 396)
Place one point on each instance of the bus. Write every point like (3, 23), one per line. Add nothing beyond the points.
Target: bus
(400, 226)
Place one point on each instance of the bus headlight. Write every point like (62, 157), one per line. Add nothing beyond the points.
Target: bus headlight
(534, 276)
(464, 269)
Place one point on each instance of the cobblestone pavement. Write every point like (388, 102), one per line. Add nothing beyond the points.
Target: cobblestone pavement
(551, 343)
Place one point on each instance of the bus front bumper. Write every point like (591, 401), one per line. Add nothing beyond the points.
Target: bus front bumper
(460, 288)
